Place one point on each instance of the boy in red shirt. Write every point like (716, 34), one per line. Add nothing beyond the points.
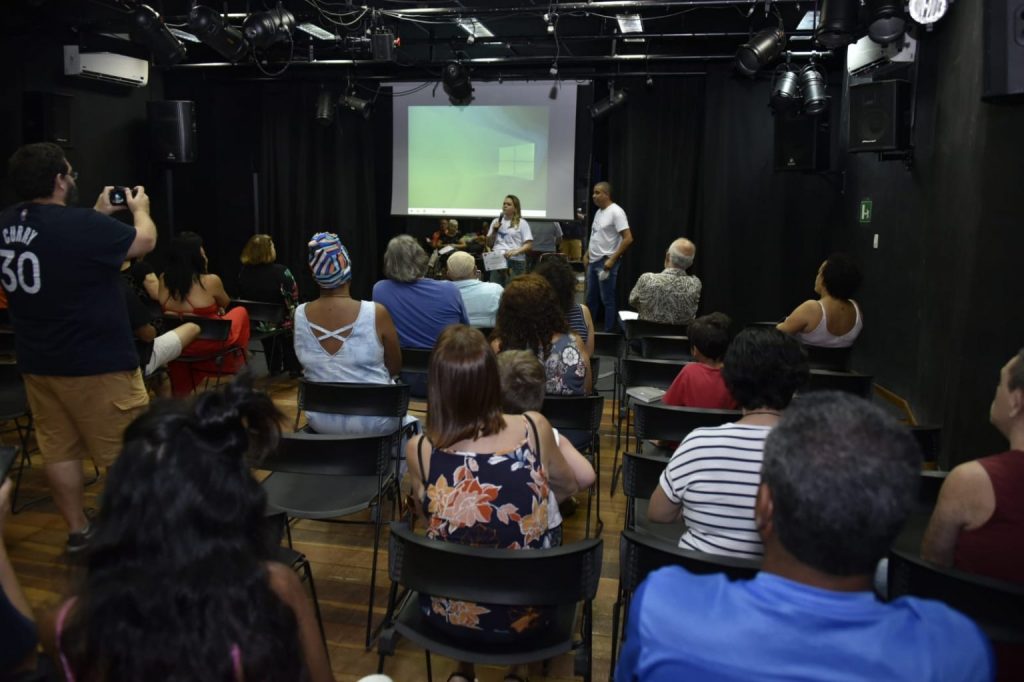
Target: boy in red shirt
(700, 383)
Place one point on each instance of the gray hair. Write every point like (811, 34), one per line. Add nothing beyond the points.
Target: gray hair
(677, 256)
(404, 260)
(461, 265)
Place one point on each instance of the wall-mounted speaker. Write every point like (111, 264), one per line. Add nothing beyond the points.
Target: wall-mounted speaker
(46, 117)
(172, 130)
(880, 116)
(801, 143)
(1004, 50)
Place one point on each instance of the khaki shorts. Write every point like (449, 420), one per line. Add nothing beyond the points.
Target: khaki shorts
(79, 416)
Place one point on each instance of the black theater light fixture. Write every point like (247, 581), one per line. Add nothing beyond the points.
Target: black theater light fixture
(324, 107)
(837, 23)
(149, 28)
(886, 21)
(760, 50)
(457, 84)
(786, 95)
(357, 104)
(211, 28)
(267, 28)
(615, 98)
(813, 85)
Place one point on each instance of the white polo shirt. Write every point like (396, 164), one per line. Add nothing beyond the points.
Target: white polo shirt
(606, 232)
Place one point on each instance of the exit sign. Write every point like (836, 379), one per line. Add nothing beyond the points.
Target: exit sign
(865, 211)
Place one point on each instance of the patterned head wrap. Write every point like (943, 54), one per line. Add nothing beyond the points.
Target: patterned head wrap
(329, 260)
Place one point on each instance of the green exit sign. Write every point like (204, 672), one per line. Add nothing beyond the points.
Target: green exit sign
(865, 210)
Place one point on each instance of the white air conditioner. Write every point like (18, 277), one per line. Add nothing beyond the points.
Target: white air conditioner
(866, 55)
(106, 66)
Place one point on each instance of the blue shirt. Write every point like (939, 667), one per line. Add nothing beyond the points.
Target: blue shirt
(420, 309)
(704, 627)
(481, 300)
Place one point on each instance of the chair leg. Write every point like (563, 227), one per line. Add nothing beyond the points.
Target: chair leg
(616, 614)
(373, 574)
(308, 570)
(430, 671)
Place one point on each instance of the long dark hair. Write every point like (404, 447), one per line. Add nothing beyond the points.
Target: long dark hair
(184, 264)
(176, 577)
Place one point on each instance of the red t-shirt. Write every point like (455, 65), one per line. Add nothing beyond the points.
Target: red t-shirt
(699, 385)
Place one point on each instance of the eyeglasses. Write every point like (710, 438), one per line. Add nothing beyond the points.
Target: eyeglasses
(73, 174)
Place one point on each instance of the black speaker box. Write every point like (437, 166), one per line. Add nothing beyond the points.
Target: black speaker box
(801, 143)
(1004, 50)
(46, 117)
(880, 116)
(172, 130)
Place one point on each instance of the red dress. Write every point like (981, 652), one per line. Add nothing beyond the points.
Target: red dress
(186, 376)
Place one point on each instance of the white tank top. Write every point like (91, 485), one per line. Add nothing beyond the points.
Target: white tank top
(820, 336)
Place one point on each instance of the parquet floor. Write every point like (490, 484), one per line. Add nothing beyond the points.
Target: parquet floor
(340, 556)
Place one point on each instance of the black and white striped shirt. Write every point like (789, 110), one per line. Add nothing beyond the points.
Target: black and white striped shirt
(714, 475)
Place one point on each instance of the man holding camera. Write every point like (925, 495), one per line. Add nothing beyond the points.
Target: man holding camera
(60, 268)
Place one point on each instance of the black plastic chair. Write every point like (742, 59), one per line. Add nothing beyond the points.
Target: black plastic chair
(635, 330)
(641, 554)
(641, 476)
(657, 421)
(912, 534)
(265, 314)
(324, 477)
(581, 413)
(849, 382)
(834, 359)
(996, 606)
(562, 577)
(415, 365)
(210, 329)
(608, 345)
(930, 440)
(14, 409)
(666, 348)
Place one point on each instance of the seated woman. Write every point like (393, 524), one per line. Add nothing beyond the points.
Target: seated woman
(338, 338)
(178, 582)
(529, 318)
(188, 290)
(562, 279)
(834, 320)
(262, 279)
(471, 456)
(712, 479)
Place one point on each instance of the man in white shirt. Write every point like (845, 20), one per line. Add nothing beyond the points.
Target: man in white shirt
(481, 298)
(610, 236)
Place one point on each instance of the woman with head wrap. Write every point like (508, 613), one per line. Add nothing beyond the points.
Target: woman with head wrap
(338, 338)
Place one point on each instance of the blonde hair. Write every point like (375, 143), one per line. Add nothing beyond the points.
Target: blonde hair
(519, 209)
(259, 250)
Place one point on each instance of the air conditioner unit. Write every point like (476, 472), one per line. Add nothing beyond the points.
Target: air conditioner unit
(106, 66)
(866, 55)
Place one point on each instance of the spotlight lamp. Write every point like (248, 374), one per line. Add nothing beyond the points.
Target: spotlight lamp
(615, 98)
(150, 29)
(357, 104)
(267, 28)
(211, 28)
(837, 23)
(324, 108)
(765, 46)
(812, 82)
(886, 22)
(928, 11)
(786, 93)
(457, 85)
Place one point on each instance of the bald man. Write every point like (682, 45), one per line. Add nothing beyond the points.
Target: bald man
(670, 296)
(481, 298)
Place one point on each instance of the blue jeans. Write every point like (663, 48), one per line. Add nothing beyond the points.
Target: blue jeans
(515, 268)
(602, 293)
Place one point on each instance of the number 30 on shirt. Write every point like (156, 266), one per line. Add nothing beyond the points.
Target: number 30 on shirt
(23, 274)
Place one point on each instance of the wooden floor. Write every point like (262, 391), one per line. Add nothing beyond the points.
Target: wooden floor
(340, 556)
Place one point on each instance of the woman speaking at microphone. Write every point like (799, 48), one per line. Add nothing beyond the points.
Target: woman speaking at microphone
(510, 236)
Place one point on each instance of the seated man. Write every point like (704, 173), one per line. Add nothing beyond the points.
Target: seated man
(481, 298)
(838, 482)
(670, 296)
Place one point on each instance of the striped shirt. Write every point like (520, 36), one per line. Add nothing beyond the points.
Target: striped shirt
(714, 475)
(577, 322)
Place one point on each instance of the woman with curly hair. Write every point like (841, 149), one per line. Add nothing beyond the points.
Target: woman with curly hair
(834, 320)
(562, 279)
(179, 584)
(529, 318)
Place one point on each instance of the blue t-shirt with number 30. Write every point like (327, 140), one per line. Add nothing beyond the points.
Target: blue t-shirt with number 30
(60, 268)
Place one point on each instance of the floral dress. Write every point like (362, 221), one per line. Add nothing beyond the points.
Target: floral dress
(486, 500)
(565, 367)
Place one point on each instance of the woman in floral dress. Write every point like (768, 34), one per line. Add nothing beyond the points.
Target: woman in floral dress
(481, 478)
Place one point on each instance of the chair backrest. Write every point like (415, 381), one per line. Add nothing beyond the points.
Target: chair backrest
(210, 329)
(562, 575)
(6, 342)
(930, 440)
(260, 311)
(850, 382)
(375, 400)
(641, 475)
(607, 344)
(657, 373)
(668, 422)
(638, 329)
(329, 455)
(666, 348)
(929, 485)
(996, 606)
(486, 331)
(835, 359)
(578, 412)
(416, 359)
(640, 554)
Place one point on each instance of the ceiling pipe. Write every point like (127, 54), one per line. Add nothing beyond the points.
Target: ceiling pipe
(595, 5)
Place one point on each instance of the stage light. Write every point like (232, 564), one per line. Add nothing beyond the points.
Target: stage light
(886, 23)
(150, 29)
(765, 46)
(927, 11)
(837, 23)
(357, 104)
(615, 98)
(324, 108)
(457, 85)
(210, 27)
(813, 85)
(266, 28)
(786, 95)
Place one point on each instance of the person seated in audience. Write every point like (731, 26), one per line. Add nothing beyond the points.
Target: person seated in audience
(419, 307)
(480, 298)
(711, 480)
(341, 339)
(834, 320)
(700, 383)
(481, 478)
(155, 349)
(839, 480)
(17, 623)
(562, 279)
(188, 290)
(448, 235)
(670, 296)
(179, 582)
(529, 318)
(263, 279)
(522, 391)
